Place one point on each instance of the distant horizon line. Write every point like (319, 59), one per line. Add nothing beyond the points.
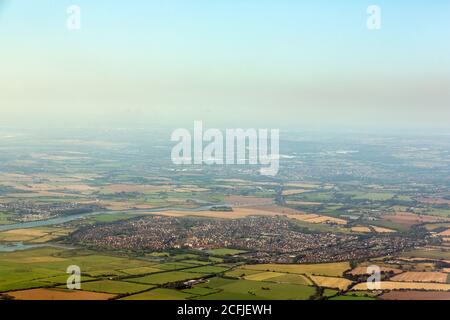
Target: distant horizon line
(340, 129)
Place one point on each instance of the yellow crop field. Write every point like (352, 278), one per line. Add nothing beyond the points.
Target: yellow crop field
(314, 218)
(362, 270)
(302, 203)
(42, 259)
(33, 235)
(263, 276)
(322, 269)
(440, 277)
(382, 230)
(293, 191)
(237, 213)
(331, 282)
(396, 285)
(361, 229)
(58, 294)
(22, 234)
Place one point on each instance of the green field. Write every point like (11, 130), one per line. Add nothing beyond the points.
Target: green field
(167, 277)
(63, 279)
(245, 289)
(323, 269)
(140, 270)
(351, 297)
(329, 292)
(223, 295)
(185, 256)
(241, 272)
(215, 259)
(174, 266)
(403, 198)
(430, 254)
(116, 287)
(160, 294)
(224, 252)
(47, 267)
(199, 291)
(292, 279)
(4, 218)
(18, 272)
(197, 262)
(374, 196)
(158, 254)
(312, 197)
(438, 212)
(100, 265)
(208, 269)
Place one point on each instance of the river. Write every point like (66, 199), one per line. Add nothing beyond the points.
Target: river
(64, 219)
(19, 246)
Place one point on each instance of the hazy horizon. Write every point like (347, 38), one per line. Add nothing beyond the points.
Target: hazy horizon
(230, 64)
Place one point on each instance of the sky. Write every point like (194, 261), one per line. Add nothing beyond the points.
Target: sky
(229, 63)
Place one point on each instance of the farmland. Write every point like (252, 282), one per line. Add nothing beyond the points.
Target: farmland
(232, 289)
(416, 295)
(363, 270)
(167, 277)
(160, 294)
(438, 277)
(34, 235)
(331, 269)
(394, 285)
(138, 279)
(224, 252)
(331, 282)
(430, 253)
(114, 287)
(58, 294)
(141, 229)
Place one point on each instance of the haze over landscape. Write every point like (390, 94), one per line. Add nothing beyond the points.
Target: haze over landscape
(112, 188)
(285, 63)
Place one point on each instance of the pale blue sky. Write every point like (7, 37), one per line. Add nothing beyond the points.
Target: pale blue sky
(253, 61)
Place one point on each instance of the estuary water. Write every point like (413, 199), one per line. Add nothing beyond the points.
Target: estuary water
(64, 219)
(18, 246)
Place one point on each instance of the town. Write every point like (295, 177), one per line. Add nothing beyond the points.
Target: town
(265, 239)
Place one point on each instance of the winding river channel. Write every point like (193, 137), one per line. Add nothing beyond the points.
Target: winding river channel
(64, 219)
(17, 246)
